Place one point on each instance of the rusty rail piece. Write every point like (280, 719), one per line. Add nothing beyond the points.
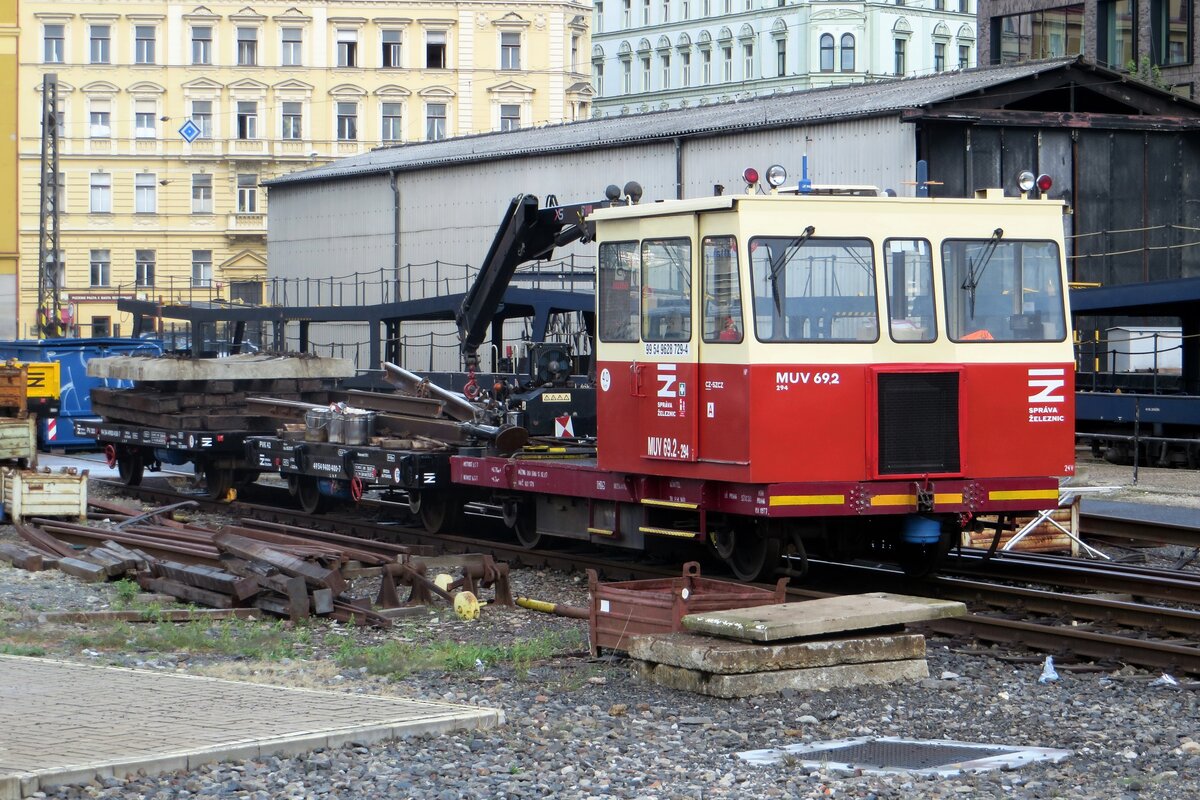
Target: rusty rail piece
(1057, 639)
(1113, 527)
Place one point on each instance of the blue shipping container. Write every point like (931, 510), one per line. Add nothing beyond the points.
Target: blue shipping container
(76, 387)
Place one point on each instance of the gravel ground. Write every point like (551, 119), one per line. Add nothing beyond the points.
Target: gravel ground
(588, 728)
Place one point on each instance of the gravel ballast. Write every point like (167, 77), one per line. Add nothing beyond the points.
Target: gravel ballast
(578, 727)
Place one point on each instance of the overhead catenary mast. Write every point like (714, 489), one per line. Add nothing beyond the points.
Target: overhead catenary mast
(49, 314)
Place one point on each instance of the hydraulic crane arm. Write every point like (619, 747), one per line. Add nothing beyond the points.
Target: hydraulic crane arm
(526, 233)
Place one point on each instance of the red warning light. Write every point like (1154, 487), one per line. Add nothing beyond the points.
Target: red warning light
(750, 176)
(1044, 182)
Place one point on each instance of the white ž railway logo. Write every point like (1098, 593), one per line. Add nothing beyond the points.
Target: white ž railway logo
(666, 380)
(1049, 383)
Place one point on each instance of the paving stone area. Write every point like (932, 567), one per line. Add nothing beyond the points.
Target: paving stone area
(67, 723)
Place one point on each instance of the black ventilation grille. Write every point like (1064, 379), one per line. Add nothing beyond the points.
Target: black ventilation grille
(918, 422)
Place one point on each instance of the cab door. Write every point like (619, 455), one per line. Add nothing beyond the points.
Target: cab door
(723, 390)
(665, 376)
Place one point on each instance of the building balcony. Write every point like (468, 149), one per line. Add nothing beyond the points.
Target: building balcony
(248, 148)
(253, 225)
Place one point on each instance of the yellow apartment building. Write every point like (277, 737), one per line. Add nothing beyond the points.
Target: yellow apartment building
(9, 226)
(172, 114)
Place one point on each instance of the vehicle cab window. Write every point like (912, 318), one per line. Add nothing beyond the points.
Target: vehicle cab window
(620, 291)
(1005, 291)
(667, 290)
(813, 290)
(722, 290)
(908, 269)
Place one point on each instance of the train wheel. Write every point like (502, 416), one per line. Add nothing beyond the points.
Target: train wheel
(308, 494)
(440, 512)
(724, 542)
(217, 481)
(522, 519)
(754, 556)
(131, 465)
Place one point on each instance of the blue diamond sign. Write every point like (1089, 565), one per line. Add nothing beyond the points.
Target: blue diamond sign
(190, 131)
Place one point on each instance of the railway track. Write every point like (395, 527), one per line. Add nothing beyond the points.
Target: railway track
(1120, 626)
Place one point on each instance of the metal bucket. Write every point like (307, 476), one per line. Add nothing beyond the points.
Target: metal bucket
(358, 427)
(316, 424)
(337, 428)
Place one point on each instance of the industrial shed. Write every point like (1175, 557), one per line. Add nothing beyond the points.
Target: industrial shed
(1123, 154)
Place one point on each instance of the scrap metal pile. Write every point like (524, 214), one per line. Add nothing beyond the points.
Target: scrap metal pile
(279, 569)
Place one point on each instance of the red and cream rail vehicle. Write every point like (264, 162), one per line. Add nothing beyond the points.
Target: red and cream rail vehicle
(778, 371)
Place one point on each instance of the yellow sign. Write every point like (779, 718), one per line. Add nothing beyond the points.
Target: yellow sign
(556, 397)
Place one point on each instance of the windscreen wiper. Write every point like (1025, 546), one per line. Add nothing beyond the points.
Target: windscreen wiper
(975, 269)
(784, 257)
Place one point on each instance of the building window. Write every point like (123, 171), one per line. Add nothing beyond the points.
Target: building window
(143, 50)
(706, 8)
(202, 268)
(347, 122)
(781, 57)
(964, 56)
(1171, 32)
(899, 55)
(247, 196)
(1050, 33)
(100, 117)
(247, 119)
(645, 73)
(52, 48)
(510, 50)
(100, 267)
(626, 20)
(101, 52)
(101, 194)
(510, 117)
(144, 267)
(145, 200)
(247, 51)
(202, 116)
(748, 61)
(728, 6)
(706, 67)
(202, 45)
(827, 52)
(1116, 45)
(390, 58)
(435, 121)
(685, 68)
(347, 48)
(964, 6)
(727, 63)
(598, 78)
(626, 77)
(292, 128)
(645, 12)
(685, 9)
(599, 4)
(292, 43)
(101, 326)
(665, 59)
(847, 52)
(202, 195)
(939, 5)
(144, 115)
(939, 57)
(666, 17)
(392, 128)
(435, 49)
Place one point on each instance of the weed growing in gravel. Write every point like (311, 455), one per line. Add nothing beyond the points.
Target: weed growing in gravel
(22, 650)
(127, 591)
(266, 641)
(398, 658)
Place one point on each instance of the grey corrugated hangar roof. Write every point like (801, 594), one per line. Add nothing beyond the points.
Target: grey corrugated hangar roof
(770, 111)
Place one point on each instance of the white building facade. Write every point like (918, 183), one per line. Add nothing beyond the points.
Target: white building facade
(651, 55)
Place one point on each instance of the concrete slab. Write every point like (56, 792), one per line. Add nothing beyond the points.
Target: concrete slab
(761, 683)
(249, 366)
(821, 617)
(708, 654)
(72, 723)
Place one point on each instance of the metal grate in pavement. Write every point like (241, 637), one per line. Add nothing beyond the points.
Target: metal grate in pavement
(890, 754)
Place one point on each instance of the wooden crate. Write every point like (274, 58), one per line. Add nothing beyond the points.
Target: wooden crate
(28, 493)
(14, 391)
(18, 440)
(1045, 538)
